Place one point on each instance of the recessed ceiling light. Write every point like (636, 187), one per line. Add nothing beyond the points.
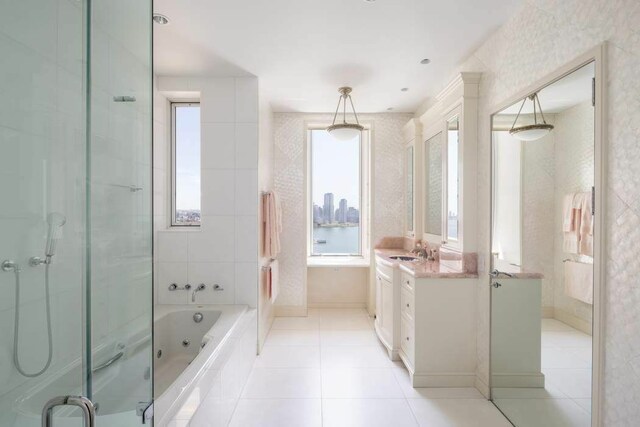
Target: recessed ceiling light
(160, 19)
(404, 89)
(425, 61)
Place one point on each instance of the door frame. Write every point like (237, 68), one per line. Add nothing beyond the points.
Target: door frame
(597, 55)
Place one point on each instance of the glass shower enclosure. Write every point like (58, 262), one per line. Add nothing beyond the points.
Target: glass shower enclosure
(75, 212)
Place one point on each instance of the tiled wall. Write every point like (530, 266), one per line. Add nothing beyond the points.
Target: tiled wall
(224, 250)
(265, 183)
(289, 168)
(542, 36)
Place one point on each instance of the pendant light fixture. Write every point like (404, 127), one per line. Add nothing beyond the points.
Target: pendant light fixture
(345, 131)
(536, 130)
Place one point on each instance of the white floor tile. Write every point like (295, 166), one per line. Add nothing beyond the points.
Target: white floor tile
(295, 323)
(293, 337)
(367, 413)
(339, 313)
(575, 383)
(360, 383)
(353, 337)
(354, 357)
(565, 339)
(548, 392)
(544, 412)
(278, 413)
(289, 356)
(457, 413)
(556, 357)
(270, 383)
(346, 323)
(584, 404)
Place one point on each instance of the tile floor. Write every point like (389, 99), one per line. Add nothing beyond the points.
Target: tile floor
(566, 398)
(328, 369)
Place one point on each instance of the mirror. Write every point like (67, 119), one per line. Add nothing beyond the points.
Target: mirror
(409, 191)
(433, 187)
(452, 224)
(542, 234)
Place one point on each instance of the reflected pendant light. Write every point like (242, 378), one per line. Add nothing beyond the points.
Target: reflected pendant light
(345, 131)
(536, 130)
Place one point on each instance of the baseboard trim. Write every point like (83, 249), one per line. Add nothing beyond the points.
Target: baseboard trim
(337, 305)
(547, 312)
(573, 321)
(290, 311)
(532, 380)
(443, 380)
(482, 387)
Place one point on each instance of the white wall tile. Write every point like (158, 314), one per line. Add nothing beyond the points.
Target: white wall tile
(247, 100)
(246, 192)
(246, 149)
(168, 273)
(247, 238)
(218, 146)
(172, 246)
(215, 243)
(218, 191)
(217, 102)
(247, 283)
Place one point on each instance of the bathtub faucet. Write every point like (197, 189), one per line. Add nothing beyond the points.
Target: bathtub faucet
(201, 287)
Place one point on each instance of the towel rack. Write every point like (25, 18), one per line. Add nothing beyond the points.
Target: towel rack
(268, 266)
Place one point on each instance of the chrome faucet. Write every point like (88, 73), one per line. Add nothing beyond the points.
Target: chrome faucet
(420, 251)
(200, 287)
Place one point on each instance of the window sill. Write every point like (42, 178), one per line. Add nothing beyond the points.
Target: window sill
(338, 261)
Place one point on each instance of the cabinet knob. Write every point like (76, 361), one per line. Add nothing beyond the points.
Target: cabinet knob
(407, 305)
(407, 338)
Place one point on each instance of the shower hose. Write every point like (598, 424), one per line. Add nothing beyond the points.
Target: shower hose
(16, 325)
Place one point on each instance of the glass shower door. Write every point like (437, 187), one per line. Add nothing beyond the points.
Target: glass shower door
(75, 216)
(120, 211)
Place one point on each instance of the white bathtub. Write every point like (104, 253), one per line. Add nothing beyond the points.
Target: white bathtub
(194, 355)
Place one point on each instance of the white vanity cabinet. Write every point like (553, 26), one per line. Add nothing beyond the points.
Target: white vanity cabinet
(387, 308)
(438, 330)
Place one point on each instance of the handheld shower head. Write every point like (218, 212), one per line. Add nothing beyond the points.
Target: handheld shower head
(56, 221)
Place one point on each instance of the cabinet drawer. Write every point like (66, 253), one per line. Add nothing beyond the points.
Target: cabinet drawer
(408, 281)
(406, 304)
(384, 270)
(407, 339)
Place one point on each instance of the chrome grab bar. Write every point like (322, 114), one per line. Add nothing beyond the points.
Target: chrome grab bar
(108, 363)
(497, 273)
(87, 407)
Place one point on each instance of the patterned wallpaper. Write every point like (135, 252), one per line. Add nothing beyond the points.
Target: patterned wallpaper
(542, 36)
(289, 166)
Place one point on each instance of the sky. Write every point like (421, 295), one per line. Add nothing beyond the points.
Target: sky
(335, 169)
(188, 157)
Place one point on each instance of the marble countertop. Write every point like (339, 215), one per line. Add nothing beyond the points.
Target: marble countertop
(424, 269)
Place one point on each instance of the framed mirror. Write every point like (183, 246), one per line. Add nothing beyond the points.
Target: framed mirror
(433, 188)
(409, 191)
(451, 223)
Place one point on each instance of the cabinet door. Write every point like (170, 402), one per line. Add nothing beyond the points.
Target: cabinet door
(387, 308)
(378, 299)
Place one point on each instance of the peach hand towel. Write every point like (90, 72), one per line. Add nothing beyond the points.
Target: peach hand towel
(570, 220)
(272, 224)
(586, 225)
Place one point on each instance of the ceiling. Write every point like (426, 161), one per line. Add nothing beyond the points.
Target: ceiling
(303, 50)
(567, 92)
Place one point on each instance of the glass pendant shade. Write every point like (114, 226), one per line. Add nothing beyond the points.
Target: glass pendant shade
(535, 131)
(345, 131)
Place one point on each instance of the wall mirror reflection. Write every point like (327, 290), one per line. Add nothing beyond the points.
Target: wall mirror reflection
(452, 228)
(433, 187)
(543, 186)
(409, 191)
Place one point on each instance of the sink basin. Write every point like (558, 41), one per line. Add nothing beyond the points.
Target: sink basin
(404, 258)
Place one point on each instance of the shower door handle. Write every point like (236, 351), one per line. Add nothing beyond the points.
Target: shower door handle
(85, 405)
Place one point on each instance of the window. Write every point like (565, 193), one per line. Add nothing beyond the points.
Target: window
(338, 205)
(185, 162)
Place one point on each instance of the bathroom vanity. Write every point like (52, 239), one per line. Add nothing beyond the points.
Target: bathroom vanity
(425, 316)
